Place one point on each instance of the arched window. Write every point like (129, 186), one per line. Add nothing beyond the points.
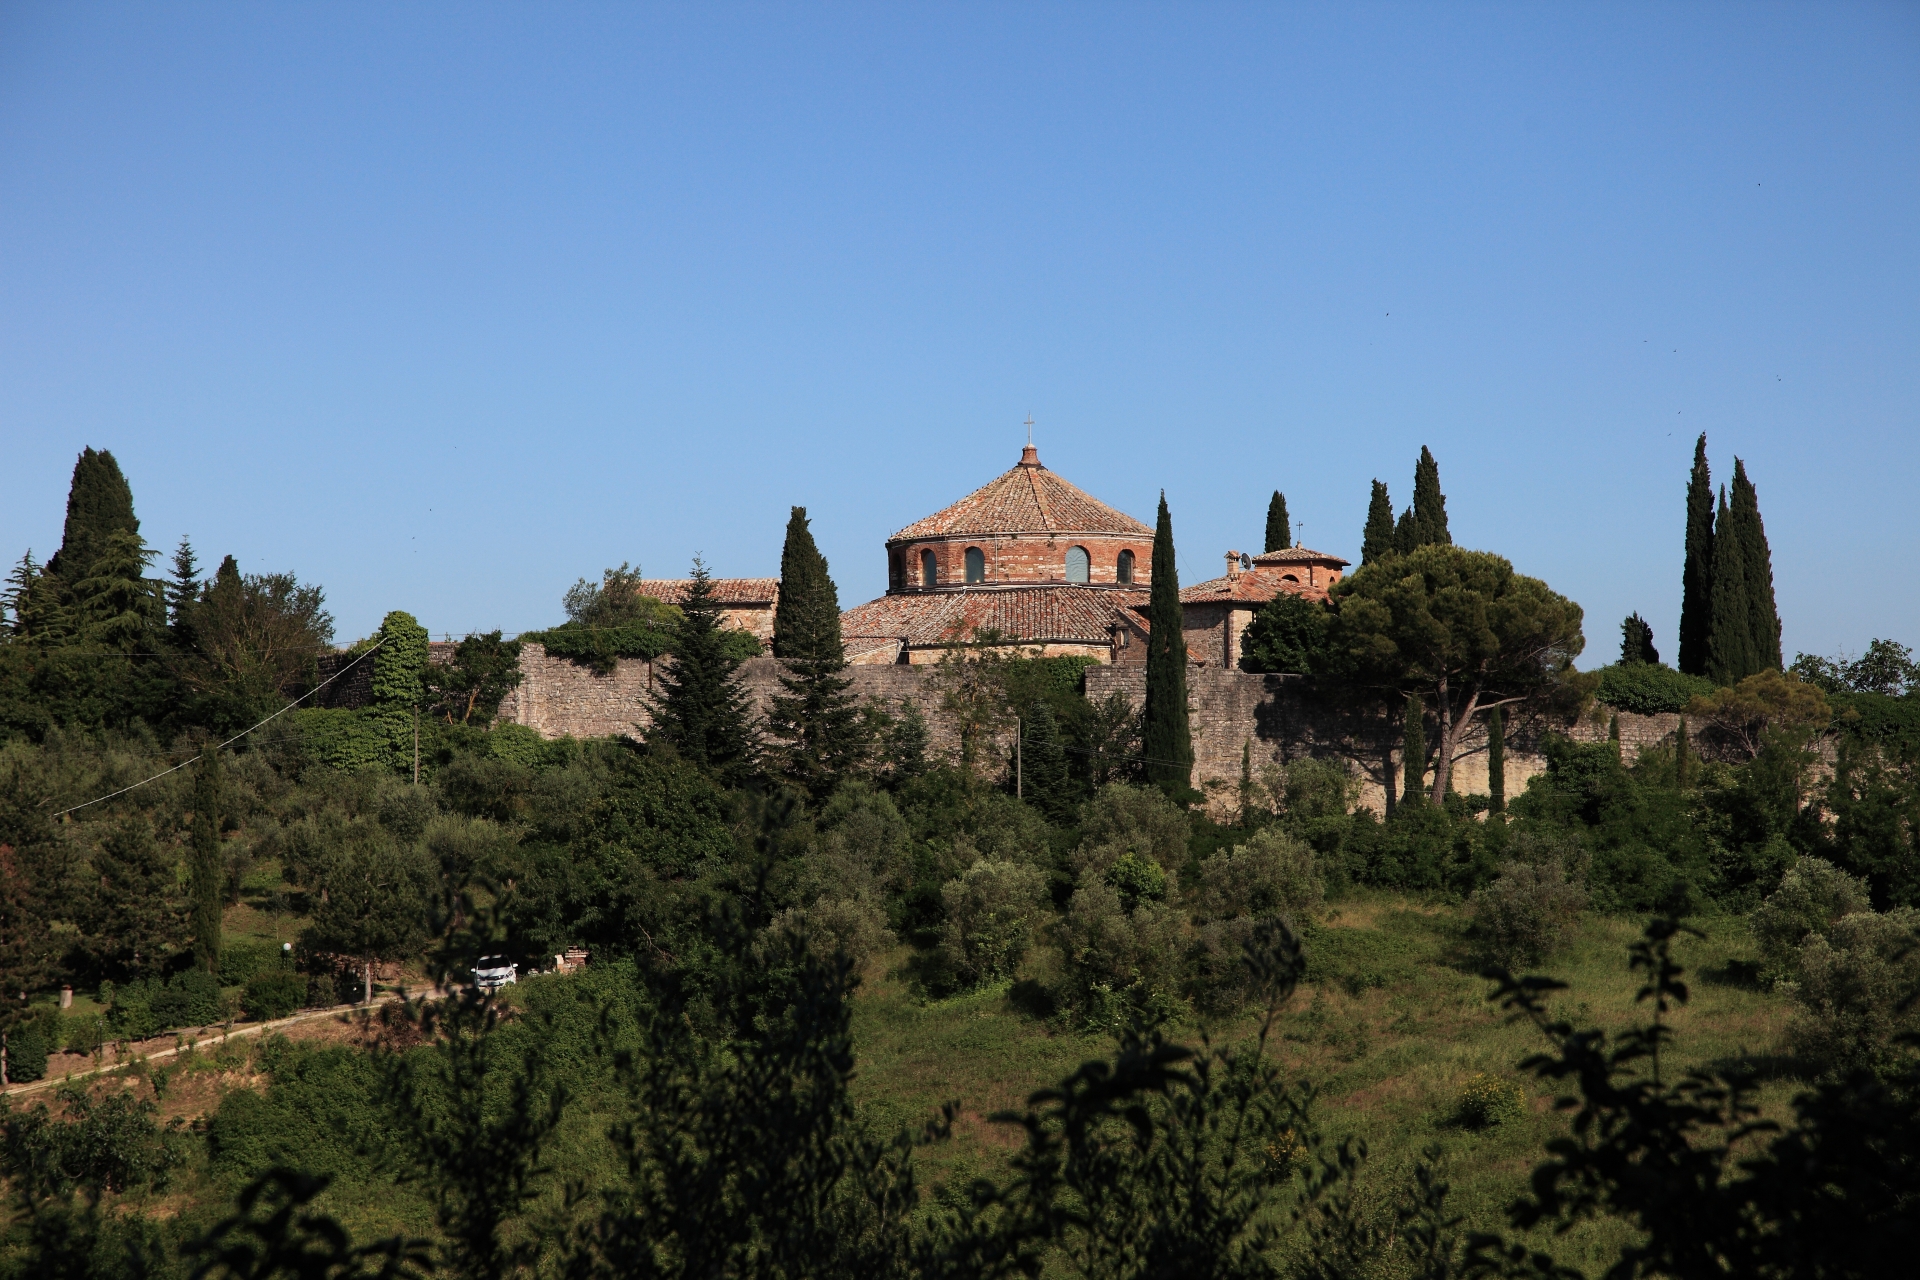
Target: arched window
(929, 569)
(896, 572)
(1287, 577)
(1123, 568)
(976, 565)
(1077, 564)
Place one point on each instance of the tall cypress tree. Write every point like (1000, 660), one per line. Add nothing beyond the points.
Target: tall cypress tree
(1497, 759)
(1696, 583)
(1429, 504)
(1166, 737)
(99, 502)
(1279, 530)
(1048, 782)
(1406, 532)
(1377, 540)
(1413, 753)
(815, 715)
(1730, 653)
(1763, 614)
(208, 870)
(701, 709)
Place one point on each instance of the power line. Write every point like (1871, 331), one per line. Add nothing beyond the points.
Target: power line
(230, 741)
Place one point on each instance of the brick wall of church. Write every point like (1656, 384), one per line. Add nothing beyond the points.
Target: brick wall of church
(1035, 557)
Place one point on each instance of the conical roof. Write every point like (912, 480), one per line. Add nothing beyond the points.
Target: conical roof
(1027, 499)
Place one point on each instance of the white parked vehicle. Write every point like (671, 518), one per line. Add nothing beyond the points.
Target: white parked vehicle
(493, 973)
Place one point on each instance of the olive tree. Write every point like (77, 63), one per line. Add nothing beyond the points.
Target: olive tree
(1459, 628)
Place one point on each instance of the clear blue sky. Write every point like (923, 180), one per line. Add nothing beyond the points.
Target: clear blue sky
(444, 307)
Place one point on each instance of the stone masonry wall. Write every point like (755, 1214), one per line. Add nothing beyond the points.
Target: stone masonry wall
(1274, 715)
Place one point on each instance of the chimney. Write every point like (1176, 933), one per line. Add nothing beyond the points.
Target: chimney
(1233, 566)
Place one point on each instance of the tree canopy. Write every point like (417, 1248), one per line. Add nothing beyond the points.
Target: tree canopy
(1460, 627)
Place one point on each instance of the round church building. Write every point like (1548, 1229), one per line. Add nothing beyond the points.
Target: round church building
(1027, 556)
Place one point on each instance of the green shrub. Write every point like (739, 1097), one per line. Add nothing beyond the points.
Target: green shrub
(191, 998)
(1118, 962)
(239, 961)
(1272, 874)
(1136, 879)
(83, 1033)
(26, 1054)
(1812, 895)
(109, 1143)
(1526, 913)
(849, 925)
(991, 912)
(273, 993)
(1488, 1101)
(1649, 688)
(1122, 819)
(1853, 987)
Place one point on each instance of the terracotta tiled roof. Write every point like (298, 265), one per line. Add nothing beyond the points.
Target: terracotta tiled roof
(1027, 499)
(1250, 587)
(736, 591)
(1298, 555)
(1062, 614)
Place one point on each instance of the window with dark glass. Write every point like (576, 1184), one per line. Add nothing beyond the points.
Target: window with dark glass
(929, 571)
(976, 565)
(1123, 570)
(1078, 561)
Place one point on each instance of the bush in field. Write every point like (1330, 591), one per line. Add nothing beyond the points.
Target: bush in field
(991, 911)
(1273, 874)
(1119, 962)
(1526, 913)
(273, 993)
(191, 998)
(26, 1054)
(101, 1144)
(855, 926)
(1853, 984)
(1137, 820)
(1812, 895)
(1488, 1101)
(1136, 879)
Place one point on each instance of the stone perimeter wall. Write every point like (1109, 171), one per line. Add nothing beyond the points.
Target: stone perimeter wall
(1272, 715)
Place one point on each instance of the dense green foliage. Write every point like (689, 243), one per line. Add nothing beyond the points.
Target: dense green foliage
(1288, 634)
(1648, 688)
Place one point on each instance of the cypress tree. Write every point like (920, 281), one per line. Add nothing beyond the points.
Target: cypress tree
(1755, 557)
(815, 715)
(1406, 532)
(701, 709)
(1682, 765)
(1166, 737)
(99, 502)
(1049, 782)
(1413, 753)
(208, 870)
(1730, 653)
(1279, 530)
(1636, 641)
(1497, 759)
(1613, 734)
(1429, 504)
(1696, 595)
(1377, 540)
